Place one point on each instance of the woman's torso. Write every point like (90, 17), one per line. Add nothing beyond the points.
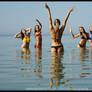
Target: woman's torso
(38, 39)
(26, 42)
(56, 37)
(84, 39)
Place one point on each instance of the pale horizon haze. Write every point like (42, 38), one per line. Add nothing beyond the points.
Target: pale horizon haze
(17, 15)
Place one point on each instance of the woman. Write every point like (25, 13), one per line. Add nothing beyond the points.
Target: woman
(25, 37)
(56, 32)
(83, 35)
(38, 35)
(90, 40)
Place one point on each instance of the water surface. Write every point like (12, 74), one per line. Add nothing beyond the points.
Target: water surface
(39, 70)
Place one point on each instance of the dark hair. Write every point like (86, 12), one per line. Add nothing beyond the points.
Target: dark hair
(57, 20)
(87, 37)
(22, 35)
(35, 28)
(91, 32)
(83, 29)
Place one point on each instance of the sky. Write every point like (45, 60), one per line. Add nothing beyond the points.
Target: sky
(17, 15)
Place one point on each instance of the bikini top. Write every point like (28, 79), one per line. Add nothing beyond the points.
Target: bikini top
(82, 37)
(40, 36)
(26, 39)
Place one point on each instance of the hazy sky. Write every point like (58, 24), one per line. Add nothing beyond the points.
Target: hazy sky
(16, 15)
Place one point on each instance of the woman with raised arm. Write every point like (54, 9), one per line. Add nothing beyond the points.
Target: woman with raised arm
(38, 35)
(83, 35)
(25, 37)
(56, 32)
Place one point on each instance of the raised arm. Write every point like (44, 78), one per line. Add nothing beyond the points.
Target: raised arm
(18, 35)
(74, 36)
(66, 18)
(29, 31)
(49, 15)
(39, 23)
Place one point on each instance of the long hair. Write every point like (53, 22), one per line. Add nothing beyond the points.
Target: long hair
(84, 33)
(83, 30)
(35, 29)
(22, 35)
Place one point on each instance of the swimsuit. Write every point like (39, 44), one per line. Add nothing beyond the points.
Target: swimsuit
(57, 39)
(81, 45)
(26, 39)
(82, 37)
(56, 47)
(36, 45)
(40, 36)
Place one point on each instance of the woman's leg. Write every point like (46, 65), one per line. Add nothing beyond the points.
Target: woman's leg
(53, 50)
(60, 49)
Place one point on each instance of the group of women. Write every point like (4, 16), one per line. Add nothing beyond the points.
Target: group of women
(56, 34)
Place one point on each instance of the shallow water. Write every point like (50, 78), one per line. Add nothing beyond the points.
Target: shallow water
(39, 70)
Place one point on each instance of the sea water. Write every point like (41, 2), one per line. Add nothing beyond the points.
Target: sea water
(72, 70)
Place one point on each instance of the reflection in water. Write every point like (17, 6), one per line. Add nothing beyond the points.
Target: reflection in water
(83, 58)
(79, 67)
(25, 56)
(56, 70)
(90, 53)
(83, 54)
(38, 65)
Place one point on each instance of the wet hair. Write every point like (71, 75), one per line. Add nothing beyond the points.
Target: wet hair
(83, 30)
(35, 28)
(22, 35)
(57, 20)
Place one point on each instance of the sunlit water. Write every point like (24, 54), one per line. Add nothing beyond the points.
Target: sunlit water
(39, 70)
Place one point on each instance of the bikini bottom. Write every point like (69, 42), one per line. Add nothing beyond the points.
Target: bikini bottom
(56, 47)
(81, 45)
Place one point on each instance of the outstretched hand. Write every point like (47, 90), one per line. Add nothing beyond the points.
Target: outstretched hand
(36, 19)
(72, 9)
(29, 29)
(46, 6)
(70, 29)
